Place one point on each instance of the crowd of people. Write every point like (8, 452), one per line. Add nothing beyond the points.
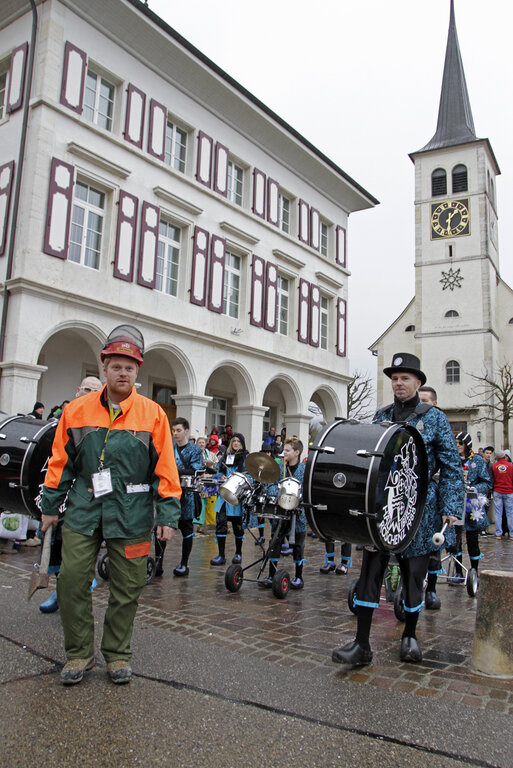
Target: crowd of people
(124, 477)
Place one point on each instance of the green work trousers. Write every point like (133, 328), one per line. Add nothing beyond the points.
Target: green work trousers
(127, 578)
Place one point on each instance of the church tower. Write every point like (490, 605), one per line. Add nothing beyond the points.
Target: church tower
(452, 324)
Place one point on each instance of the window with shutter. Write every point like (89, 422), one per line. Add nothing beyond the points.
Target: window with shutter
(157, 130)
(259, 190)
(17, 77)
(303, 331)
(304, 222)
(58, 212)
(199, 267)
(232, 279)
(221, 170)
(99, 101)
(273, 202)
(73, 78)
(341, 244)
(256, 316)
(134, 119)
(204, 161)
(150, 216)
(6, 183)
(217, 273)
(438, 182)
(315, 305)
(87, 220)
(168, 258)
(125, 237)
(271, 286)
(315, 229)
(341, 327)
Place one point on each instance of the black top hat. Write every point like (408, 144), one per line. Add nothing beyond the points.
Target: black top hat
(403, 361)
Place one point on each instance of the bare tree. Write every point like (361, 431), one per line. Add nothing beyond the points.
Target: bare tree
(360, 396)
(493, 392)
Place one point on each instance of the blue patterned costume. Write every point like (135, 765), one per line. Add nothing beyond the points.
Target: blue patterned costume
(446, 497)
(190, 457)
(478, 477)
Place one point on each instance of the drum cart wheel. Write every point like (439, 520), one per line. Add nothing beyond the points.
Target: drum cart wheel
(472, 582)
(281, 584)
(103, 567)
(233, 578)
(351, 595)
(399, 611)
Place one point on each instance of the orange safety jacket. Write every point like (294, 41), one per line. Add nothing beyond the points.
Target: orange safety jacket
(138, 450)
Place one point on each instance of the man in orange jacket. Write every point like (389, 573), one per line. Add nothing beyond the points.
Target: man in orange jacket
(112, 458)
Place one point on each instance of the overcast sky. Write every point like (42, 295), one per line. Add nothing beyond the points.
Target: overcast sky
(361, 80)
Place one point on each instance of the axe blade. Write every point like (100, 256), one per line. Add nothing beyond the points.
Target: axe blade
(40, 577)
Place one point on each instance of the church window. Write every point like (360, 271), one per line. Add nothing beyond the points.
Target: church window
(438, 182)
(452, 372)
(452, 313)
(409, 328)
(459, 178)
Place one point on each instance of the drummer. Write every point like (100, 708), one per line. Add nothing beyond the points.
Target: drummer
(444, 503)
(292, 467)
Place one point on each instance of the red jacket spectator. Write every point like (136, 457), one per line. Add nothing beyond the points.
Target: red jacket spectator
(503, 476)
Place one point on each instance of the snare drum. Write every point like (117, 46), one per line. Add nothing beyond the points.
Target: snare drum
(367, 484)
(235, 488)
(187, 482)
(25, 447)
(289, 493)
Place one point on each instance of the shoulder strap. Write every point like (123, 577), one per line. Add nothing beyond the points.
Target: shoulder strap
(382, 410)
(422, 408)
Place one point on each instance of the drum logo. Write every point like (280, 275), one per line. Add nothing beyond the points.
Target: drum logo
(401, 496)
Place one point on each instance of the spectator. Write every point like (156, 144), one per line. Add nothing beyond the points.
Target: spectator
(502, 492)
(37, 410)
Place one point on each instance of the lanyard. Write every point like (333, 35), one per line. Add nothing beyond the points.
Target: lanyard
(113, 416)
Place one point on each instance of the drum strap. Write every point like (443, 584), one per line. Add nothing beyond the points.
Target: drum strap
(420, 409)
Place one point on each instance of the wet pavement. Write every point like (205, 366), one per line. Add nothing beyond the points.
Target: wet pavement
(245, 678)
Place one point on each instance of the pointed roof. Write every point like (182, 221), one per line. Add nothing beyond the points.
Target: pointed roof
(455, 123)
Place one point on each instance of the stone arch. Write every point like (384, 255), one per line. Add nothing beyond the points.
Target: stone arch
(228, 382)
(329, 402)
(285, 388)
(180, 369)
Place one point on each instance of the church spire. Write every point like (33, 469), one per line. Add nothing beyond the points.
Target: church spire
(455, 124)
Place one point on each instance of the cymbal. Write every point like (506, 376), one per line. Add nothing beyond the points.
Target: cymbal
(262, 468)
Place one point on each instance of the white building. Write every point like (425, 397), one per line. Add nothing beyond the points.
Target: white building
(154, 189)
(460, 321)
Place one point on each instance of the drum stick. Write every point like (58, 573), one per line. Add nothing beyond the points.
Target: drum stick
(439, 538)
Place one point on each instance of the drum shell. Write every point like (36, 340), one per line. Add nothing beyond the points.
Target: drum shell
(351, 487)
(233, 489)
(25, 447)
(289, 493)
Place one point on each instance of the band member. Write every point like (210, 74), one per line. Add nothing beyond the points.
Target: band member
(329, 565)
(233, 461)
(113, 458)
(189, 460)
(476, 476)
(444, 503)
(292, 467)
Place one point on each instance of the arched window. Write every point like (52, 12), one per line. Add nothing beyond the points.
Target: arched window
(510, 321)
(409, 328)
(459, 178)
(438, 182)
(452, 313)
(452, 372)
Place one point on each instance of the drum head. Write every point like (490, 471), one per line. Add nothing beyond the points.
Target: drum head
(371, 487)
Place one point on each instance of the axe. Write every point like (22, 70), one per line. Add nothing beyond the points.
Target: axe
(40, 576)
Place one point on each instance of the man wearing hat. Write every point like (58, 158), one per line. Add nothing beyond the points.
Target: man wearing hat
(444, 502)
(112, 458)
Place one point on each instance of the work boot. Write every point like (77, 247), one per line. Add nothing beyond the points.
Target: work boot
(432, 601)
(119, 671)
(352, 654)
(73, 671)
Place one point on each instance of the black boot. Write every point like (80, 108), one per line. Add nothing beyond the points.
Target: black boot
(352, 654)
(432, 601)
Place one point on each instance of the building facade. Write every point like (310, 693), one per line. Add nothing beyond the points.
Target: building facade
(154, 189)
(460, 321)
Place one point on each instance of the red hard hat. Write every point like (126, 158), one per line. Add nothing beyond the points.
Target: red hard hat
(124, 340)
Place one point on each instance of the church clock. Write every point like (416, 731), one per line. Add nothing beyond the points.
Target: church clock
(450, 219)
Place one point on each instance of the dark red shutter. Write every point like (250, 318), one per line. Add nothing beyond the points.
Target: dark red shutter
(199, 267)
(148, 244)
(304, 222)
(125, 236)
(342, 327)
(17, 78)
(157, 130)
(273, 198)
(134, 118)
(259, 193)
(315, 228)
(303, 329)
(256, 316)
(204, 162)
(6, 179)
(216, 274)
(340, 236)
(315, 308)
(73, 78)
(271, 287)
(221, 170)
(58, 212)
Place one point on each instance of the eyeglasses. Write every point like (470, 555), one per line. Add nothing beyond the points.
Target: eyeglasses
(461, 442)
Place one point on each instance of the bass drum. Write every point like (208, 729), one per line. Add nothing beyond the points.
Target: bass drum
(25, 447)
(367, 484)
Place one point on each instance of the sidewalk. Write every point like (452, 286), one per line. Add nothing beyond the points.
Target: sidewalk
(227, 679)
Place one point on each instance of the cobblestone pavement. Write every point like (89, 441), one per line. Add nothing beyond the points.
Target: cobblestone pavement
(302, 630)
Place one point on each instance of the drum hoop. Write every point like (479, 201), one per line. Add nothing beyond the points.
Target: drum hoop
(310, 469)
(370, 476)
(24, 466)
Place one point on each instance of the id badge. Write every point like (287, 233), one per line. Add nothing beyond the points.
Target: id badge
(102, 483)
(230, 460)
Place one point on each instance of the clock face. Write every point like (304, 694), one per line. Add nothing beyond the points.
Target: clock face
(450, 219)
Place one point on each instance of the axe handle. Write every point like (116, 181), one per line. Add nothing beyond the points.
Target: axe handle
(45, 556)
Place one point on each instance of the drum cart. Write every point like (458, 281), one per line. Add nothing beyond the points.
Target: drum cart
(256, 501)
